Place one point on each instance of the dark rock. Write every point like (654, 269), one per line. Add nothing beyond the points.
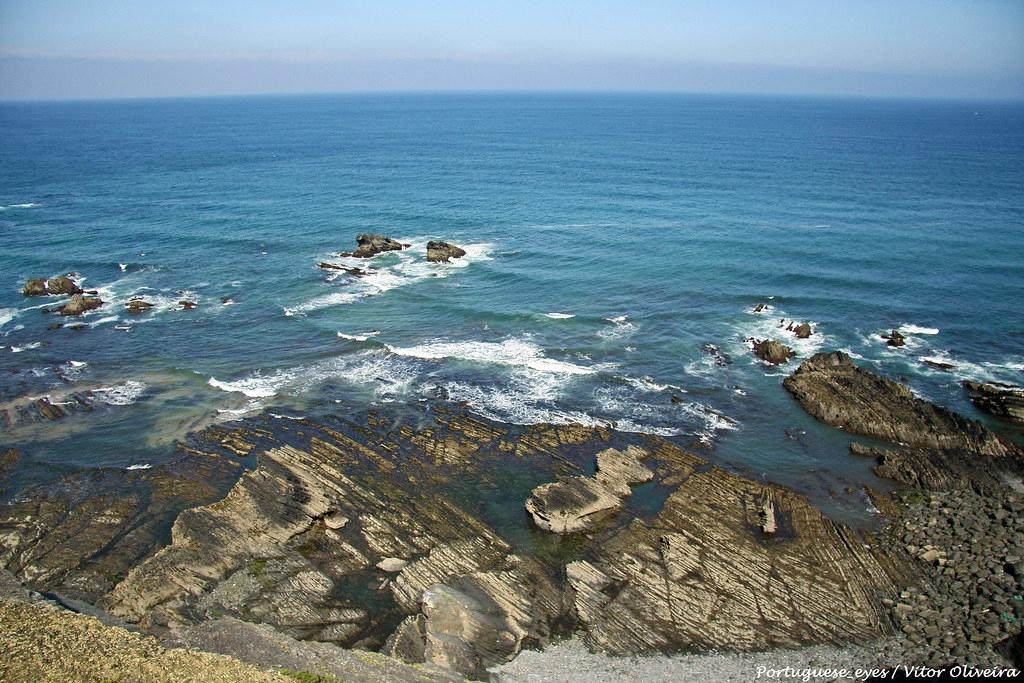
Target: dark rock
(938, 364)
(371, 245)
(137, 306)
(802, 331)
(62, 285)
(675, 399)
(442, 252)
(894, 338)
(80, 304)
(833, 389)
(761, 308)
(1002, 400)
(711, 350)
(187, 305)
(36, 287)
(772, 351)
(334, 266)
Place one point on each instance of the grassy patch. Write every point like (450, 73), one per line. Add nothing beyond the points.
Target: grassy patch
(309, 676)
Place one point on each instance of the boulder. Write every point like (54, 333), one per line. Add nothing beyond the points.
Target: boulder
(442, 252)
(62, 285)
(894, 338)
(137, 306)
(802, 331)
(35, 287)
(80, 304)
(833, 389)
(371, 245)
(999, 399)
(772, 351)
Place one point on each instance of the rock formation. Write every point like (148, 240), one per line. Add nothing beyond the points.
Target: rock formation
(833, 389)
(371, 245)
(334, 266)
(137, 306)
(1002, 400)
(442, 252)
(62, 285)
(800, 330)
(894, 338)
(772, 351)
(80, 304)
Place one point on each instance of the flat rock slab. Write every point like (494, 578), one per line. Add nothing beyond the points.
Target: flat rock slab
(572, 505)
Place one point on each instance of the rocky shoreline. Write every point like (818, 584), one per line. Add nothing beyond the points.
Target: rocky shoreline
(445, 540)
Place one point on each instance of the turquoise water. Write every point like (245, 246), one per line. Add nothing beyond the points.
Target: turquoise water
(657, 222)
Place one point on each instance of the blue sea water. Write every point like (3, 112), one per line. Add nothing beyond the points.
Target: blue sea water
(656, 222)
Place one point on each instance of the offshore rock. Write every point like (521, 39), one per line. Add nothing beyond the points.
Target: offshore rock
(371, 245)
(35, 287)
(80, 304)
(833, 389)
(442, 252)
(63, 285)
(335, 266)
(137, 306)
(1002, 400)
(894, 338)
(801, 330)
(772, 351)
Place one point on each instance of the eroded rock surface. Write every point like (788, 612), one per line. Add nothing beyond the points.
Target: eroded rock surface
(1002, 400)
(835, 390)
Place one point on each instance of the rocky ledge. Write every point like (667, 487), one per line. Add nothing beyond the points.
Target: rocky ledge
(408, 535)
(1002, 400)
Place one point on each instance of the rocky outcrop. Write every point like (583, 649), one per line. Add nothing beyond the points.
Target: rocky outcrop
(80, 304)
(894, 338)
(187, 305)
(1002, 400)
(833, 389)
(371, 245)
(800, 330)
(35, 287)
(335, 266)
(442, 252)
(580, 504)
(53, 406)
(138, 306)
(62, 285)
(772, 351)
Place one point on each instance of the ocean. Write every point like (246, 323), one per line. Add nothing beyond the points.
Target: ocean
(617, 248)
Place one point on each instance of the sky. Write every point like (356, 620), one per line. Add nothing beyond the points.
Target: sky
(87, 49)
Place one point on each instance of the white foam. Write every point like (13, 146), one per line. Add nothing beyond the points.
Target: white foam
(27, 205)
(410, 266)
(121, 394)
(26, 347)
(122, 266)
(515, 352)
(7, 315)
(621, 328)
(560, 316)
(104, 320)
(359, 337)
(140, 466)
(255, 386)
(774, 327)
(907, 328)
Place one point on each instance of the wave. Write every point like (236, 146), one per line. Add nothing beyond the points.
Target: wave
(410, 267)
(621, 328)
(256, 386)
(908, 328)
(774, 327)
(121, 394)
(26, 347)
(140, 466)
(515, 352)
(27, 205)
(359, 337)
(559, 316)
(7, 315)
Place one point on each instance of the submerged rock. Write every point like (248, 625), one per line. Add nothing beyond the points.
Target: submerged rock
(772, 351)
(80, 304)
(833, 389)
(999, 399)
(371, 245)
(442, 252)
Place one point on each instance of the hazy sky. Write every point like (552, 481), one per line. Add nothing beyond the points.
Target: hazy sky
(109, 48)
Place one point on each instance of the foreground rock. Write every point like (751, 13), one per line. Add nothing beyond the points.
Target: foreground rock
(1002, 400)
(371, 245)
(581, 503)
(772, 351)
(442, 252)
(833, 389)
(80, 304)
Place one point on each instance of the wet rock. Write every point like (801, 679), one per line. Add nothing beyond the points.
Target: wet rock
(371, 245)
(999, 399)
(762, 308)
(581, 503)
(443, 252)
(62, 285)
(720, 358)
(833, 389)
(187, 305)
(938, 364)
(894, 338)
(335, 266)
(80, 304)
(801, 331)
(772, 351)
(137, 306)
(35, 287)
